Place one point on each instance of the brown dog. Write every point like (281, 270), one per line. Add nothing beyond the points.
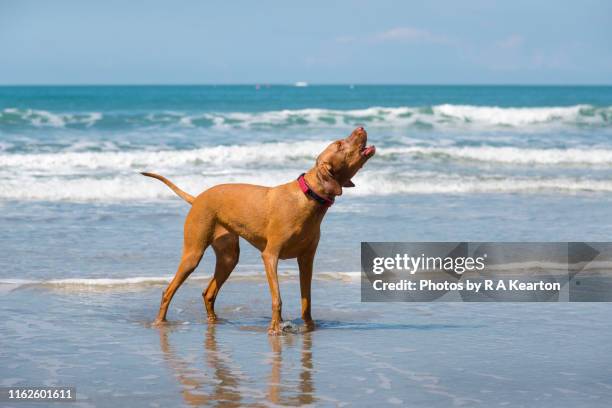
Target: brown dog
(282, 222)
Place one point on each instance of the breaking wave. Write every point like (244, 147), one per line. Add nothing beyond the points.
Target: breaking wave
(142, 282)
(285, 154)
(271, 153)
(510, 155)
(134, 187)
(436, 116)
(113, 175)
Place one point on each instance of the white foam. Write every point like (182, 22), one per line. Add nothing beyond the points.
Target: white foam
(7, 284)
(512, 155)
(141, 189)
(141, 280)
(113, 175)
(494, 115)
(43, 118)
(441, 116)
(444, 116)
(263, 153)
(300, 153)
(380, 184)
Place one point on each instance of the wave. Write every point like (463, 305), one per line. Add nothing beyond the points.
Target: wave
(8, 284)
(271, 153)
(134, 187)
(285, 154)
(510, 155)
(493, 115)
(43, 118)
(113, 175)
(238, 159)
(427, 183)
(436, 116)
(144, 282)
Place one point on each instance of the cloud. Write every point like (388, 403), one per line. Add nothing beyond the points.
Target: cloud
(512, 42)
(409, 34)
(345, 39)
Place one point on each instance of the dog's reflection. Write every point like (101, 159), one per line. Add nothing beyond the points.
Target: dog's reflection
(220, 384)
(281, 394)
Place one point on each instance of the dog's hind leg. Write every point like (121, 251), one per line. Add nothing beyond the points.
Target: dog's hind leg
(197, 237)
(227, 252)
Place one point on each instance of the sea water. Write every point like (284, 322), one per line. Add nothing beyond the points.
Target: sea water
(88, 243)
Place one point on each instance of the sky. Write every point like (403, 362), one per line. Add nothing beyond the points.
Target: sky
(325, 42)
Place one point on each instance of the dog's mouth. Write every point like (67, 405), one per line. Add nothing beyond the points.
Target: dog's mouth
(368, 151)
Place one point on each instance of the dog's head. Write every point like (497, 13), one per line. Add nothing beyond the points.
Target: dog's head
(341, 160)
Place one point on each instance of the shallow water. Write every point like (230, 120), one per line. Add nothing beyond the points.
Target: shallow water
(361, 354)
(90, 325)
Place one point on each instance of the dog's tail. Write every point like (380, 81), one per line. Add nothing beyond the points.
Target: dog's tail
(187, 197)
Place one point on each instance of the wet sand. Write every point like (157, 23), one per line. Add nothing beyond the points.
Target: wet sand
(362, 354)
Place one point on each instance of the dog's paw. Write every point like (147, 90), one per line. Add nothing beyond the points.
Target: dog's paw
(159, 323)
(309, 326)
(212, 318)
(275, 329)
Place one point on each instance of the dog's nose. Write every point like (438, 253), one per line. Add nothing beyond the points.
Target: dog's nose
(357, 134)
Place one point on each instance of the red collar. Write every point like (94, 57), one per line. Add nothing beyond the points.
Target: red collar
(324, 201)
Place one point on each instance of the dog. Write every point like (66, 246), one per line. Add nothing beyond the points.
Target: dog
(283, 222)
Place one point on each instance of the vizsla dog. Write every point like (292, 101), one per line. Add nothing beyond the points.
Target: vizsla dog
(283, 222)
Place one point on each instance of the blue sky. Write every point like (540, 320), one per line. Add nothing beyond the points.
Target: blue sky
(187, 42)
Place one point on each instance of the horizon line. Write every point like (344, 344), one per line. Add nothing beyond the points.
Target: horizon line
(266, 84)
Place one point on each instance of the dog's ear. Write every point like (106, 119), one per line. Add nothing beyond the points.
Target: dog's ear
(348, 183)
(327, 180)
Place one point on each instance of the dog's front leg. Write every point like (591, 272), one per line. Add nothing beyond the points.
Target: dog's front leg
(305, 262)
(270, 260)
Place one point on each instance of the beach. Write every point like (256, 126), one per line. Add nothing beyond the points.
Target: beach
(89, 244)
(431, 354)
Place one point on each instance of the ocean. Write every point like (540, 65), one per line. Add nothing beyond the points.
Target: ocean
(88, 243)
